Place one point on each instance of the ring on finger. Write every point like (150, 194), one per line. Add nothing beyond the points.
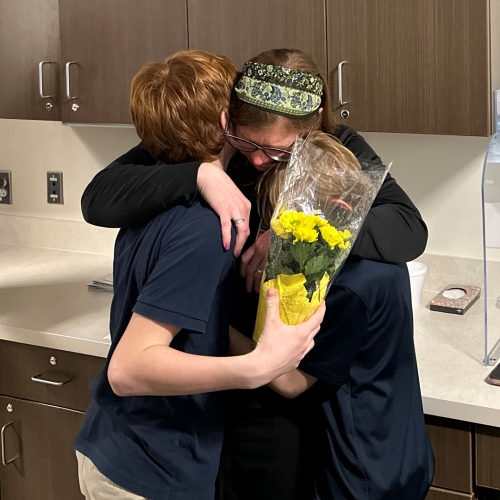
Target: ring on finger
(260, 271)
(238, 221)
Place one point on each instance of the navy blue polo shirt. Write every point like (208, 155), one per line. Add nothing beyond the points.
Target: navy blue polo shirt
(173, 270)
(373, 444)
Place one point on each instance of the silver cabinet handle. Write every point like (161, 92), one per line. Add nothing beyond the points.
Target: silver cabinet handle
(68, 91)
(40, 79)
(2, 439)
(341, 97)
(57, 383)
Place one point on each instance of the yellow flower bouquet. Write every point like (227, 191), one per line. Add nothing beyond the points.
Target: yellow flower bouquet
(321, 201)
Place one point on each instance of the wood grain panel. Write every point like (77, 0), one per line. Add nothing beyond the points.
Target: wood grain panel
(110, 40)
(29, 34)
(441, 494)
(241, 29)
(418, 66)
(488, 456)
(451, 441)
(42, 435)
(19, 362)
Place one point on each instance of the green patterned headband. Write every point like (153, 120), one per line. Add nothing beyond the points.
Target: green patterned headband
(280, 90)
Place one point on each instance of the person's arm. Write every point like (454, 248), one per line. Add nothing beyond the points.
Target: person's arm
(292, 384)
(135, 188)
(288, 385)
(393, 230)
(143, 362)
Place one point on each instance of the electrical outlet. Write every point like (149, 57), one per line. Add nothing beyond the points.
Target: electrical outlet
(54, 188)
(5, 187)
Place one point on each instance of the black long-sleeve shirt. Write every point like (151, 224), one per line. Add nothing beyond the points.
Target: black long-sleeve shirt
(135, 188)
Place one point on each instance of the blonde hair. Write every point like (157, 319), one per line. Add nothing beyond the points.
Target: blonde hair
(176, 105)
(250, 115)
(331, 187)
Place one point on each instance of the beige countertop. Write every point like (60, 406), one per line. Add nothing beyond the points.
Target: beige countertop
(44, 301)
(449, 355)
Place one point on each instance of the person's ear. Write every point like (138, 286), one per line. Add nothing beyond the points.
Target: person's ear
(320, 110)
(224, 119)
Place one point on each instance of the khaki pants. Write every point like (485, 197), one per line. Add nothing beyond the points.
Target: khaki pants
(96, 486)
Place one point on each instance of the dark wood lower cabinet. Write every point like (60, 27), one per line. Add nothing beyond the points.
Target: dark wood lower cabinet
(451, 441)
(38, 461)
(488, 456)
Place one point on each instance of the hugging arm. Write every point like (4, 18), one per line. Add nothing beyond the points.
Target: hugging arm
(393, 230)
(288, 385)
(135, 188)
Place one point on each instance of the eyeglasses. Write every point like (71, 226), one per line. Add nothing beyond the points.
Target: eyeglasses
(240, 144)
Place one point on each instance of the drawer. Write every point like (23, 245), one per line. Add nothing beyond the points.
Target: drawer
(488, 456)
(62, 378)
(451, 441)
(440, 494)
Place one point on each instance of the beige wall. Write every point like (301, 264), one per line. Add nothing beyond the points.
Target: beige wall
(31, 148)
(442, 174)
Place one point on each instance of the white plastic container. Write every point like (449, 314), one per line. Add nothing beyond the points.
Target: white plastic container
(417, 272)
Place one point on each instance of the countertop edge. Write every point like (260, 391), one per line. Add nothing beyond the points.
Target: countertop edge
(465, 412)
(54, 341)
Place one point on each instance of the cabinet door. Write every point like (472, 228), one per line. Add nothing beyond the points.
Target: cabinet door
(451, 441)
(241, 29)
(418, 66)
(29, 35)
(108, 41)
(488, 456)
(36, 440)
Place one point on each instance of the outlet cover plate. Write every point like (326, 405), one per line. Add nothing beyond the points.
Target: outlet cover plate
(5, 187)
(55, 188)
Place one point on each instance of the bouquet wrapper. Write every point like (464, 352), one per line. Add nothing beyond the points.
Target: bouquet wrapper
(317, 219)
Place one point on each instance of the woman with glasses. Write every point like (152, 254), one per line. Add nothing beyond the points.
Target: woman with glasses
(279, 95)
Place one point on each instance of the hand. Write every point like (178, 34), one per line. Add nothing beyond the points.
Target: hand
(221, 193)
(255, 258)
(281, 347)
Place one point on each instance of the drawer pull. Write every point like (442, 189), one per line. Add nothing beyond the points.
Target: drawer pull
(41, 378)
(2, 439)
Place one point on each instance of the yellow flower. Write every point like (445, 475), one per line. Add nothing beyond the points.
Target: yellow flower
(334, 237)
(289, 221)
(279, 229)
(319, 221)
(304, 233)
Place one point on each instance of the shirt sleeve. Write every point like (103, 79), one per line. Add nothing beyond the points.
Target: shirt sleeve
(393, 230)
(135, 188)
(191, 265)
(336, 344)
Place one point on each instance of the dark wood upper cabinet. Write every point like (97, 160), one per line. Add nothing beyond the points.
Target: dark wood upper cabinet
(418, 66)
(29, 35)
(105, 42)
(413, 66)
(241, 29)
